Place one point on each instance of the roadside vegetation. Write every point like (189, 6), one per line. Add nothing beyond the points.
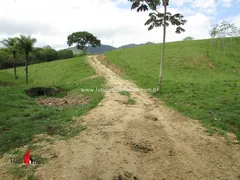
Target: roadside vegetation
(24, 115)
(201, 78)
(38, 55)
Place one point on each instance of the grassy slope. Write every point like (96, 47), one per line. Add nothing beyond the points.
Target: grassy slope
(190, 84)
(21, 117)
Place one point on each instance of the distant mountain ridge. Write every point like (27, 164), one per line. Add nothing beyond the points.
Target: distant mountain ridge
(134, 45)
(98, 50)
(104, 48)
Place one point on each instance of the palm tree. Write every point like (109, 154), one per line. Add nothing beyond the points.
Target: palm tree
(11, 45)
(26, 44)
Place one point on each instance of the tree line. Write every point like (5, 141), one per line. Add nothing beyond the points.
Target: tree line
(19, 51)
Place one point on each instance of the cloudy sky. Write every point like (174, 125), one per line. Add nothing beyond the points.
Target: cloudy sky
(112, 21)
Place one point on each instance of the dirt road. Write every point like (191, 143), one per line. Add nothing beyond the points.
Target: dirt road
(144, 141)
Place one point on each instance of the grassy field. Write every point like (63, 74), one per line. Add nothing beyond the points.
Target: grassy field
(200, 81)
(21, 117)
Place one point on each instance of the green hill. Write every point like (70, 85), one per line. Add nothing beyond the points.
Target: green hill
(200, 81)
(21, 117)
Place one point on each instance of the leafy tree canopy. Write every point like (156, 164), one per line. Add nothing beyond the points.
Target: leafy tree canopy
(156, 18)
(224, 29)
(26, 43)
(50, 53)
(83, 40)
(3, 56)
(11, 45)
(145, 5)
(65, 54)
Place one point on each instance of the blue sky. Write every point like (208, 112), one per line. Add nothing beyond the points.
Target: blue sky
(221, 9)
(234, 10)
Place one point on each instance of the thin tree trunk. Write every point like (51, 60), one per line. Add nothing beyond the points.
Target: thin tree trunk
(15, 70)
(163, 48)
(224, 48)
(218, 48)
(14, 66)
(211, 44)
(85, 50)
(26, 69)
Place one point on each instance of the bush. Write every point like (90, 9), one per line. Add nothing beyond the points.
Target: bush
(65, 54)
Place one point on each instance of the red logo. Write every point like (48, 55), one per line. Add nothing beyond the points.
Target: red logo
(26, 158)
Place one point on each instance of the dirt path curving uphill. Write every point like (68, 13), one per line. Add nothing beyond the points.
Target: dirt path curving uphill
(144, 141)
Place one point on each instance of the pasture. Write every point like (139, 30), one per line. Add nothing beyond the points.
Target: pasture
(199, 80)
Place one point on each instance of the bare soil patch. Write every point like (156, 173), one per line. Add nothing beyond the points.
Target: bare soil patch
(66, 101)
(111, 66)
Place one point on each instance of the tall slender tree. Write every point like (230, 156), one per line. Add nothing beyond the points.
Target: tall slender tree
(158, 19)
(26, 44)
(11, 45)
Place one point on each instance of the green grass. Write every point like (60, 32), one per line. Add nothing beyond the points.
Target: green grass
(197, 82)
(130, 100)
(125, 93)
(21, 117)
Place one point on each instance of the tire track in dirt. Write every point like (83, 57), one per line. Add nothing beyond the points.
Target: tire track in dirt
(145, 141)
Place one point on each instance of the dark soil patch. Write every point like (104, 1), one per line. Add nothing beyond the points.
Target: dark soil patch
(126, 177)
(44, 91)
(153, 118)
(51, 130)
(141, 147)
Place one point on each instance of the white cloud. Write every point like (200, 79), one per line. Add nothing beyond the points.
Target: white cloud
(226, 3)
(182, 2)
(236, 20)
(204, 4)
(13, 27)
(103, 18)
